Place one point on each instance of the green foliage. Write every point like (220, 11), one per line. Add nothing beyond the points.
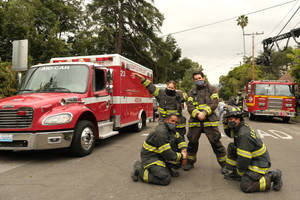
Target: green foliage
(295, 68)
(242, 21)
(7, 80)
(187, 82)
(58, 28)
(236, 80)
(279, 64)
(46, 24)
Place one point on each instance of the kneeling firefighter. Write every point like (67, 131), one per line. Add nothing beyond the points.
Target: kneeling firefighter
(163, 150)
(248, 159)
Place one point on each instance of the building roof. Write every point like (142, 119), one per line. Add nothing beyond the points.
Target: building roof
(287, 77)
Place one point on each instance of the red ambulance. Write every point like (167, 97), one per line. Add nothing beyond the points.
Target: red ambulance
(73, 101)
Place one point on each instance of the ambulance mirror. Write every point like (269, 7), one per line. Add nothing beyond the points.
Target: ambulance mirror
(109, 88)
(109, 76)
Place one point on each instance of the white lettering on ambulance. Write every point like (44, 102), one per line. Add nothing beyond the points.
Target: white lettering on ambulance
(48, 68)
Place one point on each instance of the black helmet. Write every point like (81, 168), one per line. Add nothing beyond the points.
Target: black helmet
(233, 111)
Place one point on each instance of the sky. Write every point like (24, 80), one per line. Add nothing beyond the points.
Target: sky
(219, 47)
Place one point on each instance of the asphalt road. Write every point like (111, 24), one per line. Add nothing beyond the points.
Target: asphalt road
(105, 174)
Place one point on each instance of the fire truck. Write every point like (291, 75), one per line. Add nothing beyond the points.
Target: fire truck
(273, 98)
(73, 101)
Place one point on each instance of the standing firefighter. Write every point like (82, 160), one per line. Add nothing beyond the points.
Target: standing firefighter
(237, 101)
(202, 102)
(162, 150)
(169, 101)
(247, 156)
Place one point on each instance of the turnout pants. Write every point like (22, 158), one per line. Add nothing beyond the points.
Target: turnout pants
(251, 181)
(213, 134)
(156, 174)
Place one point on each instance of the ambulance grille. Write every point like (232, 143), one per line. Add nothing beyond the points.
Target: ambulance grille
(274, 103)
(13, 119)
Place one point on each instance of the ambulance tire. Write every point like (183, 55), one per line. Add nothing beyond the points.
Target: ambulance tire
(251, 116)
(140, 125)
(286, 119)
(83, 142)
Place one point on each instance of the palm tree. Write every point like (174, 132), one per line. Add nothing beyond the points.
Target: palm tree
(242, 21)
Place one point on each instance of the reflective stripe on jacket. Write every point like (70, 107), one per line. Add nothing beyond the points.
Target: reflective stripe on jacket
(204, 99)
(162, 145)
(252, 153)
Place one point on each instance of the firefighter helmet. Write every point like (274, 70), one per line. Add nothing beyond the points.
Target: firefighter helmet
(233, 111)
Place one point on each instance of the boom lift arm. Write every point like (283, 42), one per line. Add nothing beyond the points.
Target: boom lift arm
(269, 43)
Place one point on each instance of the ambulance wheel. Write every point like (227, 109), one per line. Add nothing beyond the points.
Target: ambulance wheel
(286, 119)
(250, 116)
(83, 142)
(140, 125)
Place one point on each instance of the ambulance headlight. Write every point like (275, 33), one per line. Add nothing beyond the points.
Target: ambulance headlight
(62, 118)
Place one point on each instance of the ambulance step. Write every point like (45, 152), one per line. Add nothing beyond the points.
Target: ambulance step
(106, 129)
(107, 135)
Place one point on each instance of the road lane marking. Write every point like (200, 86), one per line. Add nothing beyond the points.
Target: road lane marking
(275, 134)
(265, 134)
(281, 134)
(9, 165)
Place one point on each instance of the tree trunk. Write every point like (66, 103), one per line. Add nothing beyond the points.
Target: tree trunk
(244, 58)
(120, 34)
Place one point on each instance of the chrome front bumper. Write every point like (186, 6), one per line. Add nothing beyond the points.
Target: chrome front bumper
(37, 141)
(274, 113)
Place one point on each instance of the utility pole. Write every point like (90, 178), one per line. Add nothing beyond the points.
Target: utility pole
(253, 69)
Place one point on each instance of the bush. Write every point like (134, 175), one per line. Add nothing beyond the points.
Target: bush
(7, 80)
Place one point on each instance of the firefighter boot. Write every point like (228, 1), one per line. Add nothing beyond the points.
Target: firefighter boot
(233, 176)
(224, 170)
(188, 166)
(136, 170)
(276, 179)
(173, 173)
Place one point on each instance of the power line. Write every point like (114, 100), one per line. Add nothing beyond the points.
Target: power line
(288, 21)
(228, 19)
(297, 24)
(293, 6)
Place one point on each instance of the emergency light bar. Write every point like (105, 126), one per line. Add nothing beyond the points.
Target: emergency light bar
(84, 59)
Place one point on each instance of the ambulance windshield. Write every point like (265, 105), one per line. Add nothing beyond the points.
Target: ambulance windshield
(56, 78)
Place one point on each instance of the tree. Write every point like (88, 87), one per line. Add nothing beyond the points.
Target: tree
(236, 80)
(126, 20)
(187, 82)
(7, 80)
(278, 65)
(46, 24)
(242, 21)
(295, 68)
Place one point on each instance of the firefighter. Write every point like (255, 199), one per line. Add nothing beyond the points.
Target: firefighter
(247, 158)
(162, 150)
(237, 101)
(201, 104)
(169, 101)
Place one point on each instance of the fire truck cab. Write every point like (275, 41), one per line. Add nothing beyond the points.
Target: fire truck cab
(73, 101)
(273, 98)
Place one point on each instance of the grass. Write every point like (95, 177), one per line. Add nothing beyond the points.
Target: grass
(296, 119)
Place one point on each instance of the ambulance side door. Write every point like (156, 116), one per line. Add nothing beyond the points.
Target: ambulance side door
(102, 99)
